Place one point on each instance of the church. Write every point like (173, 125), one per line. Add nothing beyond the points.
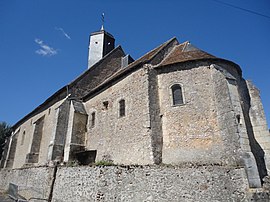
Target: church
(175, 105)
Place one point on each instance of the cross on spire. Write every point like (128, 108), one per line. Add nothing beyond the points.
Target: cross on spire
(103, 20)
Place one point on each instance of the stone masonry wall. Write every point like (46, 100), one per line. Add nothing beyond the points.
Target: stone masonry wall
(127, 139)
(150, 183)
(190, 131)
(24, 146)
(59, 131)
(31, 182)
(186, 182)
(154, 108)
(233, 131)
(259, 133)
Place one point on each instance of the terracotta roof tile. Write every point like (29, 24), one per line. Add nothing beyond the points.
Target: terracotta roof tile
(124, 71)
(150, 55)
(185, 52)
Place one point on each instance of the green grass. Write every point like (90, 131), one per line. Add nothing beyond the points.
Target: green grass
(104, 163)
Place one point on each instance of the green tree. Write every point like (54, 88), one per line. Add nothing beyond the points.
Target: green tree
(5, 132)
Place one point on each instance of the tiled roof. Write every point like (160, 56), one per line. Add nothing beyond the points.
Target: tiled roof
(107, 60)
(132, 66)
(150, 55)
(168, 53)
(185, 52)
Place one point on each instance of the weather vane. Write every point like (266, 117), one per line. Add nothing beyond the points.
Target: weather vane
(103, 20)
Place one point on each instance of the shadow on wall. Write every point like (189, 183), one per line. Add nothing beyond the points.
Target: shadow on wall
(86, 157)
(256, 149)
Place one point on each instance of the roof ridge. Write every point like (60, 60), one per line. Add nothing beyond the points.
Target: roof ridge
(155, 49)
(162, 46)
(96, 64)
(172, 50)
(185, 45)
(185, 52)
(132, 65)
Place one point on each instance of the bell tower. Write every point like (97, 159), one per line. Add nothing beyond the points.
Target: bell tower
(100, 44)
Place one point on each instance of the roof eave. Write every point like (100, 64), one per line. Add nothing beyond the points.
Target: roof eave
(61, 90)
(203, 59)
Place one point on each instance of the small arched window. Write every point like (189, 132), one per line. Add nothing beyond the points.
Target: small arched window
(122, 108)
(177, 94)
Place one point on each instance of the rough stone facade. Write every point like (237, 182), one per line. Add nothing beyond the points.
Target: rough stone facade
(190, 130)
(129, 183)
(175, 105)
(32, 182)
(184, 182)
(114, 136)
(25, 138)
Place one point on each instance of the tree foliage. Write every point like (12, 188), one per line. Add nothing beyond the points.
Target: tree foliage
(5, 132)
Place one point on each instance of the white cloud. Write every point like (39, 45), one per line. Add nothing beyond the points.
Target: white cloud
(63, 32)
(45, 50)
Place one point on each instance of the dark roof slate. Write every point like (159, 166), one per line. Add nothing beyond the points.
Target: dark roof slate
(73, 87)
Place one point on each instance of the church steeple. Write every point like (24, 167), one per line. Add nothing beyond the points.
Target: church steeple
(100, 44)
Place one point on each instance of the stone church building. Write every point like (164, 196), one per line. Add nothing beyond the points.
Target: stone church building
(175, 105)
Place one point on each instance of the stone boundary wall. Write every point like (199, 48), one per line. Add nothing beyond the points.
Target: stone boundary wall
(133, 183)
(31, 182)
(150, 183)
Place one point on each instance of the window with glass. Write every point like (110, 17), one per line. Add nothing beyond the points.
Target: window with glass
(177, 94)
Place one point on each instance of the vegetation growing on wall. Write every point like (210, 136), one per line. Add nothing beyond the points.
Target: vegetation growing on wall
(5, 132)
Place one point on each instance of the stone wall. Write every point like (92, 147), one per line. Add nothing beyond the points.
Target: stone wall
(28, 127)
(10, 151)
(259, 124)
(126, 139)
(190, 130)
(186, 182)
(59, 131)
(232, 125)
(150, 183)
(49, 109)
(156, 118)
(75, 136)
(31, 182)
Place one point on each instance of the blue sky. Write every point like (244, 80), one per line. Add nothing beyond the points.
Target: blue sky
(44, 44)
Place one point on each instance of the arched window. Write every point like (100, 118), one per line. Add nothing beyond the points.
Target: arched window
(177, 94)
(122, 108)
